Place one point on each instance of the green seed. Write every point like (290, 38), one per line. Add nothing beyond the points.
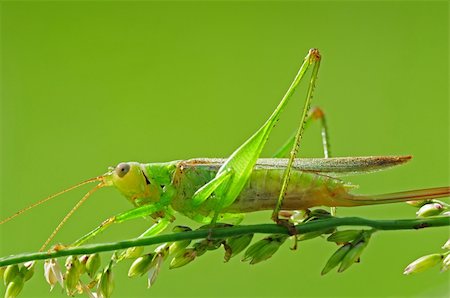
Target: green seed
(336, 258)
(235, 245)
(93, 264)
(141, 265)
(72, 275)
(184, 258)
(430, 210)
(178, 246)
(344, 236)
(27, 270)
(423, 263)
(14, 287)
(264, 249)
(106, 285)
(310, 235)
(10, 273)
(418, 204)
(199, 247)
(352, 256)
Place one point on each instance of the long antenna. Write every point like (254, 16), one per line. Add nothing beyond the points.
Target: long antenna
(99, 178)
(68, 215)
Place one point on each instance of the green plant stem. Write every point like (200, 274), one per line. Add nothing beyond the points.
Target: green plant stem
(315, 225)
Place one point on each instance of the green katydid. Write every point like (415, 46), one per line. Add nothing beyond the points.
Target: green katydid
(208, 190)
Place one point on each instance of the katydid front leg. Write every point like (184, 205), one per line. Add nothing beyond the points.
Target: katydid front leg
(241, 162)
(138, 212)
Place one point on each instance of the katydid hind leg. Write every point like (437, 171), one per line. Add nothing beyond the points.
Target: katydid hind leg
(315, 114)
(298, 138)
(243, 159)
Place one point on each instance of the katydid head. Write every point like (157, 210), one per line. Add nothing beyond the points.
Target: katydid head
(130, 179)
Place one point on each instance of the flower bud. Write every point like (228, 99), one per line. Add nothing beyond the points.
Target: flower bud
(183, 258)
(14, 287)
(52, 273)
(27, 270)
(10, 274)
(264, 249)
(352, 256)
(423, 263)
(141, 265)
(336, 258)
(234, 245)
(344, 236)
(106, 284)
(93, 264)
(430, 210)
(446, 245)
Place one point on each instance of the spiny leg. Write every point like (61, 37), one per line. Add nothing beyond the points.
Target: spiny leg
(315, 114)
(298, 137)
(241, 162)
(318, 114)
(138, 212)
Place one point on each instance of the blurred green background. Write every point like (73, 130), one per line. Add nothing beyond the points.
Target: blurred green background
(86, 85)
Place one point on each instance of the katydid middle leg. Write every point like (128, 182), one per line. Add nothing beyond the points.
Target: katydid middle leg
(315, 114)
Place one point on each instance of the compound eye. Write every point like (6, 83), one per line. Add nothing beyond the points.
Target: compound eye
(122, 169)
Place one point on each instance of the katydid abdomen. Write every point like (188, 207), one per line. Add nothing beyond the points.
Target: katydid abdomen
(312, 183)
(306, 189)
